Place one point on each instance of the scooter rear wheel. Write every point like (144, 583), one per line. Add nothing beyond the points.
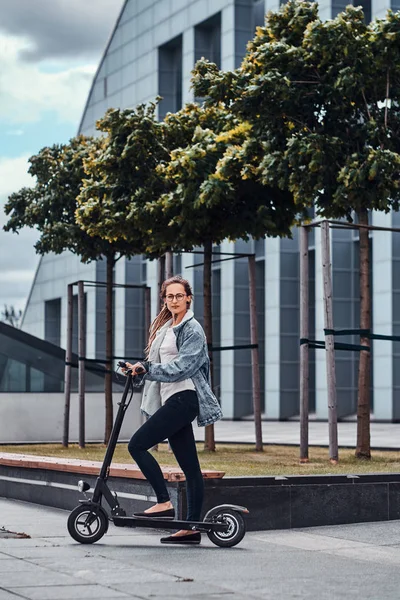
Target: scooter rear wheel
(87, 524)
(236, 528)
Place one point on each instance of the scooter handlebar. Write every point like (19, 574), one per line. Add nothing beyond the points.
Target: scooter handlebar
(122, 365)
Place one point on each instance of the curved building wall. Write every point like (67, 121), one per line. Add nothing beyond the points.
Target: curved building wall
(151, 52)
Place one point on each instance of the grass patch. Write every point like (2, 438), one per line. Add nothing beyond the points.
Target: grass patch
(236, 460)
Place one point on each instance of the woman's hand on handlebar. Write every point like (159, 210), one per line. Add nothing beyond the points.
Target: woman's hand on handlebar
(136, 369)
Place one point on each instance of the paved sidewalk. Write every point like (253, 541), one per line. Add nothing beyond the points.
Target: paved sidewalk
(343, 562)
(383, 435)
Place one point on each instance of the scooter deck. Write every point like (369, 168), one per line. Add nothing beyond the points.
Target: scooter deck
(164, 523)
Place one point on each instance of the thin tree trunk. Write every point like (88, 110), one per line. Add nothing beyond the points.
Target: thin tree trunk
(329, 343)
(81, 362)
(109, 348)
(363, 449)
(304, 348)
(68, 360)
(209, 441)
(255, 362)
(169, 265)
(160, 279)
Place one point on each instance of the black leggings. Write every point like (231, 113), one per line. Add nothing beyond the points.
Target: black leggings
(173, 420)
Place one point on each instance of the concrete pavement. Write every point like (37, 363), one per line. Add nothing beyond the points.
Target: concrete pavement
(383, 435)
(347, 561)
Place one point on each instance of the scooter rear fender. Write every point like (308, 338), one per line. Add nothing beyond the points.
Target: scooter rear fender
(216, 509)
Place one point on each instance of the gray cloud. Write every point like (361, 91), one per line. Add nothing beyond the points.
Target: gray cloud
(60, 28)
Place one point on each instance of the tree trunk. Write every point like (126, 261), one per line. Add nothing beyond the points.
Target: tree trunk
(68, 359)
(304, 348)
(209, 441)
(81, 361)
(363, 449)
(329, 343)
(169, 265)
(255, 362)
(160, 279)
(109, 348)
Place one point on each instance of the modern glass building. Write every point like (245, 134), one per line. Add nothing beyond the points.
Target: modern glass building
(152, 49)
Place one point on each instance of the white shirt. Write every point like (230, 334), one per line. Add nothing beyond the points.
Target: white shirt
(168, 352)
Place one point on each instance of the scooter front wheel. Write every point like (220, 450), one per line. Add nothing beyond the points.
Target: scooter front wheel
(236, 528)
(87, 523)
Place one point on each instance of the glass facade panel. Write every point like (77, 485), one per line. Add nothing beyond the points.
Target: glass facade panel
(170, 76)
(129, 52)
(289, 323)
(14, 376)
(258, 13)
(207, 40)
(216, 319)
(338, 6)
(52, 321)
(29, 364)
(135, 340)
(114, 83)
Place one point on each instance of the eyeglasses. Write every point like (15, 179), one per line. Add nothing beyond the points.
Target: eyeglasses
(179, 297)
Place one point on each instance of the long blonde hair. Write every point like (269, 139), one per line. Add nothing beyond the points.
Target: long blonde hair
(165, 314)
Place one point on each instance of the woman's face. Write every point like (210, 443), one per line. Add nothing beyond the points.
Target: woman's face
(176, 299)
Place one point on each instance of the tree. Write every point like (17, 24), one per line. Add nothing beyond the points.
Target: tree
(214, 196)
(50, 208)
(180, 183)
(321, 98)
(11, 315)
(121, 177)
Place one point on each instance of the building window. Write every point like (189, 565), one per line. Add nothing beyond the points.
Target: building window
(177, 264)
(366, 6)
(207, 40)
(170, 76)
(258, 13)
(339, 6)
(52, 321)
(248, 16)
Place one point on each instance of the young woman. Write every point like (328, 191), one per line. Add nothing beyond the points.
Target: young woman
(176, 391)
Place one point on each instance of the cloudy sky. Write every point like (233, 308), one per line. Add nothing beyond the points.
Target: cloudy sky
(49, 52)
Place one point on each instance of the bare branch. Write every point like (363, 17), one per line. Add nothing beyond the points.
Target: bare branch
(300, 81)
(366, 105)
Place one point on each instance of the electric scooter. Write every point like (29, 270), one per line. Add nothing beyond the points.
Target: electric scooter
(88, 522)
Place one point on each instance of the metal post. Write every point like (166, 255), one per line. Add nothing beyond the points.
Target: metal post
(304, 348)
(329, 343)
(81, 366)
(68, 360)
(255, 363)
(209, 434)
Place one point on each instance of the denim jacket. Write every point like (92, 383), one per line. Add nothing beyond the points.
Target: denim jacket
(192, 362)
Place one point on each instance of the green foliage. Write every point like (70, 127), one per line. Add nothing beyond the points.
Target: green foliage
(51, 204)
(172, 185)
(121, 177)
(322, 102)
(214, 194)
